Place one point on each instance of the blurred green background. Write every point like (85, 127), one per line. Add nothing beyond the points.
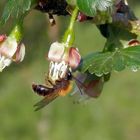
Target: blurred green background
(115, 115)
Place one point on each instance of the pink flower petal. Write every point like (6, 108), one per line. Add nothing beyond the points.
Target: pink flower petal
(74, 57)
(20, 53)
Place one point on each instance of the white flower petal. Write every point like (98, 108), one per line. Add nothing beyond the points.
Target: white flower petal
(4, 62)
(56, 51)
(8, 47)
(7, 62)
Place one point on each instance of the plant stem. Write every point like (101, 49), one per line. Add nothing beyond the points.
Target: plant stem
(73, 18)
(17, 31)
(68, 38)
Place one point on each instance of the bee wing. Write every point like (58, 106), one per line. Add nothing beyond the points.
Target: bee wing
(47, 99)
(91, 87)
(79, 85)
(94, 88)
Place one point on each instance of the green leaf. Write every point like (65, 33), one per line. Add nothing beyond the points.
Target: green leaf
(90, 7)
(15, 9)
(116, 37)
(118, 60)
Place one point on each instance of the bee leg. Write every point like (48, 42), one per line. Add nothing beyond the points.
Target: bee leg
(52, 82)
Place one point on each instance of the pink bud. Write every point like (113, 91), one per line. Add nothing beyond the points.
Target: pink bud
(133, 42)
(81, 17)
(74, 57)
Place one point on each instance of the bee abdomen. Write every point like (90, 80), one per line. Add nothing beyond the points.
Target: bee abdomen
(41, 90)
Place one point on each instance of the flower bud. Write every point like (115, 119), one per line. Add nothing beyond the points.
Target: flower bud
(81, 17)
(133, 42)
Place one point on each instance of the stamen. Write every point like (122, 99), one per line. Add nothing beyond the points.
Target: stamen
(57, 70)
(51, 67)
(63, 69)
(2, 66)
(54, 71)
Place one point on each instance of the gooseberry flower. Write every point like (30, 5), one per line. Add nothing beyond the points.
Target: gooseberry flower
(10, 51)
(62, 59)
(58, 53)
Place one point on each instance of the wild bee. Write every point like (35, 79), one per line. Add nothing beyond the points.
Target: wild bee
(89, 85)
(51, 87)
(57, 83)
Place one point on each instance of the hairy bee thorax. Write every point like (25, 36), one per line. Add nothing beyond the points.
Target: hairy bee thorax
(66, 89)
